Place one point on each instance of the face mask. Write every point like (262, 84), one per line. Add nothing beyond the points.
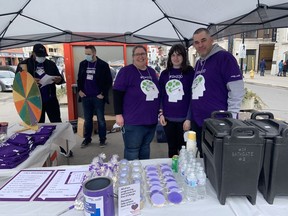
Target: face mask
(40, 59)
(89, 58)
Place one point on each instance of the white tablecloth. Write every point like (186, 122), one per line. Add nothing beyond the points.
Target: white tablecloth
(62, 136)
(235, 206)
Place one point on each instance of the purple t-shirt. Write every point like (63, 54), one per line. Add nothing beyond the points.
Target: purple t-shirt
(9, 150)
(12, 155)
(209, 88)
(46, 129)
(11, 162)
(175, 106)
(141, 99)
(20, 139)
(90, 88)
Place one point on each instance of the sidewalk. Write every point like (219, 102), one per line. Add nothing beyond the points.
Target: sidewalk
(267, 79)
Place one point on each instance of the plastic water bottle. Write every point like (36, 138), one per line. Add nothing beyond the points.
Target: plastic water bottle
(183, 169)
(190, 155)
(198, 165)
(182, 165)
(201, 180)
(182, 157)
(182, 152)
(191, 189)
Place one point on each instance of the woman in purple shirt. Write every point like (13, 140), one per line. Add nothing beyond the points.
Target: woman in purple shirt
(136, 105)
(175, 89)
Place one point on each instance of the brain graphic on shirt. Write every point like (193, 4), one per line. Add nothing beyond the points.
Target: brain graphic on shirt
(172, 85)
(146, 85)
(197, 81)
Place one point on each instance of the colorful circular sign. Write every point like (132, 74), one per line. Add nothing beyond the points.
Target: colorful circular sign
(27, 98)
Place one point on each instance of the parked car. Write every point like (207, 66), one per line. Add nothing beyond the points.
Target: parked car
(8, 67)
(6, 80)
(113, 73)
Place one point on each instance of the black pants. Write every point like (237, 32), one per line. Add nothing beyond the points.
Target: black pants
(174, 134)
(52, 108)
(198, 131)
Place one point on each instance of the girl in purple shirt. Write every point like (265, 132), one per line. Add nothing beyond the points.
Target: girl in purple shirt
(175, 89)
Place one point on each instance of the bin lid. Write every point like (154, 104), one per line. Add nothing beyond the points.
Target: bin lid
(222, 127)
(268, 128)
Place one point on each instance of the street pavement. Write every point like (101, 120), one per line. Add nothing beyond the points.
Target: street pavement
(115, 142)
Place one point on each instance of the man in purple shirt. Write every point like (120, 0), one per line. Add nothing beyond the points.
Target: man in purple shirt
(217, 84)
(94, 82)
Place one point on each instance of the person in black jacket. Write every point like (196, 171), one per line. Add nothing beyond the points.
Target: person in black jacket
(39, 66)
(285, 68)
(94, 82)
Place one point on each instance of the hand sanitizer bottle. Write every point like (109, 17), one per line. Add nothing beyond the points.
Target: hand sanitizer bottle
(191, 144)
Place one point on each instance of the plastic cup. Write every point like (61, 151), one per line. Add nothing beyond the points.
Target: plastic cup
(3, 131)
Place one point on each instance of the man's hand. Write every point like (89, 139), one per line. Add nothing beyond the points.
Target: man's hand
(37, 80)
(100, 96)
(82, 94)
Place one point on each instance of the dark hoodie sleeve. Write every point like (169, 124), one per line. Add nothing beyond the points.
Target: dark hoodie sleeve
(118, 99)
(108, 80)
(79, 77)
(56, 71)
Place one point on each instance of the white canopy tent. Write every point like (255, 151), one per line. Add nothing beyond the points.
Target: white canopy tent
(26, 22)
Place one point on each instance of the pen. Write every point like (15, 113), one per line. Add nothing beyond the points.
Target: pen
(66, 210)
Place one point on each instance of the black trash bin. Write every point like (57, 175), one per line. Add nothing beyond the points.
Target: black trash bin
(233, 154)
(273, 179)
(77, 105)
(160, 134)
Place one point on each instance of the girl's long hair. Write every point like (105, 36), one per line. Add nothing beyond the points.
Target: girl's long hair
(179, 49)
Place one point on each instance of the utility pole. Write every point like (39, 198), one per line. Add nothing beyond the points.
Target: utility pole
(241, 57)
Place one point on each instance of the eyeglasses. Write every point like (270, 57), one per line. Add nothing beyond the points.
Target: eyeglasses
(139, 54)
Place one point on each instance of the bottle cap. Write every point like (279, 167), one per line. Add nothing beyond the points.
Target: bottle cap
(192, 135)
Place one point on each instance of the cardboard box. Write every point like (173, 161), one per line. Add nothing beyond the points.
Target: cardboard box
(110, 121)
(81, 128)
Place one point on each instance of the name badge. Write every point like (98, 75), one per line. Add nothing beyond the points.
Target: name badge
(89, 77)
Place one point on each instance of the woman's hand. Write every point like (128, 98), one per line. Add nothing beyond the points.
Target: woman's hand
(120, 120)
(162, 120)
